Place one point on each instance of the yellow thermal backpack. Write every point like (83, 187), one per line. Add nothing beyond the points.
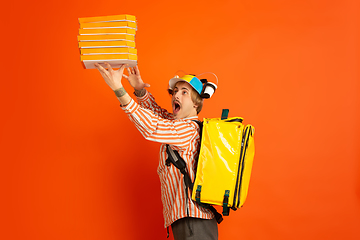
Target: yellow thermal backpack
(224, 163)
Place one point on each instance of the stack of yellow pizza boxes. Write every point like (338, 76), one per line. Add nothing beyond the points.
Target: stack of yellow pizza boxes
(108, 39)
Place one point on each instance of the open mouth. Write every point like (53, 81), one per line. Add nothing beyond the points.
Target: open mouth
(176, 107)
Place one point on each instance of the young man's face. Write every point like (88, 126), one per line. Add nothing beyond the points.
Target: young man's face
(182, 103)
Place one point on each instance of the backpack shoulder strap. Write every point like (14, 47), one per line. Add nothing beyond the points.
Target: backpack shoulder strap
(175, 158)
(200, 123)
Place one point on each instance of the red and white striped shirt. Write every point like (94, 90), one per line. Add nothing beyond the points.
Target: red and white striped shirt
(158, 125)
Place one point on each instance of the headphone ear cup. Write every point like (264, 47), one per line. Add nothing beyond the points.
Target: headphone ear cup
(208, 90)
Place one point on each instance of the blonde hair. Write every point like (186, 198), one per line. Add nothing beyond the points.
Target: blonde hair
(197, 100)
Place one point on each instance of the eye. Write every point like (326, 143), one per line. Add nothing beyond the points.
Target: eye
(184, 92)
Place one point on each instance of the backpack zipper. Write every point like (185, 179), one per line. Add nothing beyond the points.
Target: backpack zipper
(237, 179)
(243, 162)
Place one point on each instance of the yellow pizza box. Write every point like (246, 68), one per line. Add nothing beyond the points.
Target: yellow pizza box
(102, 31)
(109, 50)
(124, 17)
(106, 57)
(114, 63)
(125, 24)
(104, 44)
(112, 37)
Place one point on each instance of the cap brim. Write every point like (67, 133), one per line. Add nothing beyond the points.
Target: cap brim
(173, 81)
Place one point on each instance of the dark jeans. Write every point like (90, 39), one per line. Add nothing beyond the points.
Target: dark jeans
(195, 229)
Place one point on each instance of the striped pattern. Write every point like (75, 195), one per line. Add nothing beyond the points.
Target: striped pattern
(158, 125)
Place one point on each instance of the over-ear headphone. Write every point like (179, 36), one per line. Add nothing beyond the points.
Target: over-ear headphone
(208, 87)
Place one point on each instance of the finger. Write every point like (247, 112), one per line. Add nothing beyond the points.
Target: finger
(146, 85)
(102, 71)
(108, 66)
(125, 76)
(100, 68)
(122, 67)
(137, 71)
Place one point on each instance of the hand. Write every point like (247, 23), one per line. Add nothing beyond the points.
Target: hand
(111, 77)
(134, 78)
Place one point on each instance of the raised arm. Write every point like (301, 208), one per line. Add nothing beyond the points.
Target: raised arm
(153, 127)
(113, 80)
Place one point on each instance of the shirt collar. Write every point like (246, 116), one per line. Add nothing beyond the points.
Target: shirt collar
(191, 118)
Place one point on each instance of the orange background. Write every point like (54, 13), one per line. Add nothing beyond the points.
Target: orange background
(74, 167)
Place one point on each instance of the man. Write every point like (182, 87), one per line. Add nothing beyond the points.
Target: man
(187, 219)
